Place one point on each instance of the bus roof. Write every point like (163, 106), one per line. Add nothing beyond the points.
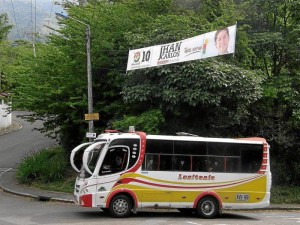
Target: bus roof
(249, 140)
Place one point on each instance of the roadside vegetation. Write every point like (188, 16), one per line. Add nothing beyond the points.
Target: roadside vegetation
(48, 170)
(285, 194)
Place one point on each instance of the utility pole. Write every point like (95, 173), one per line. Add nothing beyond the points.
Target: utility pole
(89, 76)
(88, 66)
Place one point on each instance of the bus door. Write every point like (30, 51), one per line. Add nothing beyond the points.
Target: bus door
(114, 164)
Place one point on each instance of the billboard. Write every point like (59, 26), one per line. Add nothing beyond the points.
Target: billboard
(215, 43)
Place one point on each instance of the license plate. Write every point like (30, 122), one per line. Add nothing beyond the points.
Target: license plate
(242, 197)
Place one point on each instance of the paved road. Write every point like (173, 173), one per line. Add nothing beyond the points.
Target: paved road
(26, 211)
(14, 146)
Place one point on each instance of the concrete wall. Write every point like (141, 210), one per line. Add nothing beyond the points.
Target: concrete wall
(5, 115)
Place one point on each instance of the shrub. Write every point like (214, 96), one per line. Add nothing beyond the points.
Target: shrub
(46, 166)
(284, 194)
(149, 122)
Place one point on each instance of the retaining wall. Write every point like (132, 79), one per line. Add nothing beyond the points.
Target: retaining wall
(5, 115)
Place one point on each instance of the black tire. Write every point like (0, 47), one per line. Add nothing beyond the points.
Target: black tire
(186, 211)
(120, 206)
(105, 210)
(208, 207)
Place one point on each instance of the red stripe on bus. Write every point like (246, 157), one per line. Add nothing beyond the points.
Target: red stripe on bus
(208, 193)
(130, 180)
(120, 191)
(142, 152)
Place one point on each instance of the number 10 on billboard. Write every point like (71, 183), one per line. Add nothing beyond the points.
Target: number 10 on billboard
(139, 58)
(146, 56)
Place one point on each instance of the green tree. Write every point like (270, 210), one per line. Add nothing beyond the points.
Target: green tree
(4, 26)
(55, 88)
(206, 97)
(57, 81)
(274, 41)
(4, 30)
(199, 96)
(48, 88)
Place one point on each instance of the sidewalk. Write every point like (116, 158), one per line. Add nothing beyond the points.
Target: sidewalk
(9, 184)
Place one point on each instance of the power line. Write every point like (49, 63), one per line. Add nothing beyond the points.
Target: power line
(50, 14)
(35, 16)
(13, 8)
(33, 28)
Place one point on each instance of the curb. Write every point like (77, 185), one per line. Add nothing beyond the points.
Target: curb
(33, 196)
(270, 208)
(10, 129)
(36, 197)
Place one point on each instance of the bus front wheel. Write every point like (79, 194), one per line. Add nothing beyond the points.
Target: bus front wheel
(208, 207)
(120, 206)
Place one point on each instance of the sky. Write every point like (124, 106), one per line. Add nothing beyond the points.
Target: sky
(26, 18)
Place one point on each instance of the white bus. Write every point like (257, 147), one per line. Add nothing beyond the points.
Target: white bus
(121, 172)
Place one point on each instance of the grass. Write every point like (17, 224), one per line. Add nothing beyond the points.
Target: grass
(65, 184)
(285, 195)
(49, 170)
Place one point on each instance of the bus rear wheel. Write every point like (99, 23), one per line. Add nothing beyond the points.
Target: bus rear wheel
(208, 207)
(120, 206)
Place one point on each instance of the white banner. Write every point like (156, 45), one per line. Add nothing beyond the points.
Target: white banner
(219, 42)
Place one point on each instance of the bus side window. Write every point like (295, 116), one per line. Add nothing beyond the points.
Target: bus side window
(199, 163)
(165, 162)
(151, 162)
(232, 164)
(181, 163)
(216, 164)
(209, 166)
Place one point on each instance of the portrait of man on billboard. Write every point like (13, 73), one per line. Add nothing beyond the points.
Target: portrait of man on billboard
(222, 41)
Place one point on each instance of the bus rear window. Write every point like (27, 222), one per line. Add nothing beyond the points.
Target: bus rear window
(251, 158)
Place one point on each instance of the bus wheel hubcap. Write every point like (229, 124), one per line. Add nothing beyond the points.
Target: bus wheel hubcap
(120, 206)
(207, 208)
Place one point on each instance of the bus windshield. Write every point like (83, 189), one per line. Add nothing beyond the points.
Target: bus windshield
(90, 159)
(116, 160)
